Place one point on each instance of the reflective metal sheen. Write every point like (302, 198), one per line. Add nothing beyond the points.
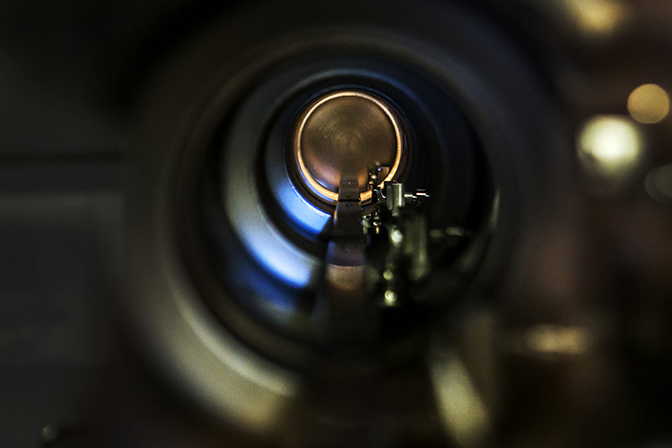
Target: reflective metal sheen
(345, 136)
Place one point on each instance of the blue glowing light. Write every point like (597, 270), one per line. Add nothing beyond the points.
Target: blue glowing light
(302, 213)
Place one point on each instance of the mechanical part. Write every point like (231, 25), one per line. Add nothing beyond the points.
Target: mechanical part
(400, 216)
(346, 135)
(232, 257)
(240, 283)
(342, 305)
(395, 198)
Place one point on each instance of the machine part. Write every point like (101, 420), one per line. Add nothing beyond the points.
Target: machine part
(224, 268)
(395, 198)
(343, 307)
(346, 134)
(581, 330)
(398, 221)
(290, 211)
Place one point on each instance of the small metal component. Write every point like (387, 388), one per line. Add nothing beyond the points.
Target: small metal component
(398, 215)
(347, 135)
(347, 219)
(342, 309)
(394, 195)
(416, 247)
(418, 198)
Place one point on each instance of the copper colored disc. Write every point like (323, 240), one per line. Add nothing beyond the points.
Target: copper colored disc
(346, 136)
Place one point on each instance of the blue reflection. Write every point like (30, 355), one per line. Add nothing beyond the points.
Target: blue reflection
(260, 291)
(302, 213)
(274, 252)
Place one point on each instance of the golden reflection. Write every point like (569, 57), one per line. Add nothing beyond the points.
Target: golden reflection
(555, 339)
(596, 17)
(610, 146)
(649, 104)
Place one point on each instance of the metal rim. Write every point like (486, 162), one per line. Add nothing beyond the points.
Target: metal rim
(314, 185)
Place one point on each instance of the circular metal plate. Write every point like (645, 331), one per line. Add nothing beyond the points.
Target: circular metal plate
(345, 136)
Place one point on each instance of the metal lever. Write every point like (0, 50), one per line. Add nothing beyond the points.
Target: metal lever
(342, 305)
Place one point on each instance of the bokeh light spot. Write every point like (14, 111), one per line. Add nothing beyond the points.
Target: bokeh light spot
(649, 104)
(596, 17)
(610, 147)
(658, 183)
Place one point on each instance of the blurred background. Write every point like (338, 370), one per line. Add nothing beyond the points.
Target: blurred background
(573, 340)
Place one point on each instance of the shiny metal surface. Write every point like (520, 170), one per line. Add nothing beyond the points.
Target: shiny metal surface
(346, 134)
